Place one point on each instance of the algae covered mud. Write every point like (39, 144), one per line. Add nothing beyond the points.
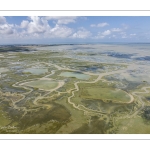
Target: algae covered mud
(84, 89)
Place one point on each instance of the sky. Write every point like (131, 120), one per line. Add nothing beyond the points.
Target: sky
(73, 29)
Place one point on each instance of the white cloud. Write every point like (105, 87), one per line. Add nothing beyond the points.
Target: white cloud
(5, 28)
(34, 27)
(100, 24)
(59, 32)
(132, 34)
(24, 24)
(39, 28)
(107, 32)
(82, 34)
(37, 25)
(98, 37)
(93, 25)
(2, 20)
(101, 35)
(62, 19)
(116, 30)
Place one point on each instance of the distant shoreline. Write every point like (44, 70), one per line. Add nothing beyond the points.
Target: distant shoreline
(78, 43)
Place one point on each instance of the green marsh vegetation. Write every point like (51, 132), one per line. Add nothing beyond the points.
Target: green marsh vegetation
(47, 91)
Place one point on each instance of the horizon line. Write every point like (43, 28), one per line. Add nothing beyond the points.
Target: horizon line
(76, 43)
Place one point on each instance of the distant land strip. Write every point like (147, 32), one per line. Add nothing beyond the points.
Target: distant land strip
(74, 139)
(74, 10)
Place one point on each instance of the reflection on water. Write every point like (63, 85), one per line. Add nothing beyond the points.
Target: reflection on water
(36, 71)
(3, 70)
(76, 75)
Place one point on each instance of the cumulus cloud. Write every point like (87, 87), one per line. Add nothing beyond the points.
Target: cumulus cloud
(5, 28)
(37, 25)
(60, 32)
(34, 26)
(24, 24)
(107, 32)
(62, 19)
(2, 20)
(82, 34)
(116, 29)
(101, 35)
(93, 25)
(100, 24)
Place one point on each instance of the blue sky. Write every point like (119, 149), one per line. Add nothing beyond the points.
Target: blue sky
(73, 29)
